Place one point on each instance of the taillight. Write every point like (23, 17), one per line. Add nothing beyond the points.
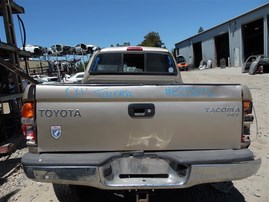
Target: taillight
(28, 110)
(247, 121)
(28, 123)
(247, 106)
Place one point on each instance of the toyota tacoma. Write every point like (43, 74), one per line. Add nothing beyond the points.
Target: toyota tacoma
(132, 124)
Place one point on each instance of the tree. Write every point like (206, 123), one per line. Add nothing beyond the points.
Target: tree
(152, 39)
(201, 29)
(81, 66)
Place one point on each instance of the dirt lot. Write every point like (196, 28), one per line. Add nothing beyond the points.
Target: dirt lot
(14, 186)
(255, 188)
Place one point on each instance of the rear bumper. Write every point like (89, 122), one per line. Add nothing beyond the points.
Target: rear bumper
(137, 170)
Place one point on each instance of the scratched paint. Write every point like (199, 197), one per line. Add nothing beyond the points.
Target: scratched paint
(111, 93)
(78, 92)
(188, 92)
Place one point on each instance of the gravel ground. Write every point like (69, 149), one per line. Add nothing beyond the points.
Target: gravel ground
(15, 186)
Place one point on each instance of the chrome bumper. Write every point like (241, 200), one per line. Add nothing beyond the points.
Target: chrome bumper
(160, 170)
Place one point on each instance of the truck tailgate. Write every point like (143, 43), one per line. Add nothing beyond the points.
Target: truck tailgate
(142, 117)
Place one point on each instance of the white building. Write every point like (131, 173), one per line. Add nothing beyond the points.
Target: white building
(231, 42)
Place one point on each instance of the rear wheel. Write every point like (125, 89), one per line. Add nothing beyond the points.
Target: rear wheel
(221, 192)
(73, 193)
(66, 192)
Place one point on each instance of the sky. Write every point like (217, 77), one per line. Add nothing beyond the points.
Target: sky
(110, 22)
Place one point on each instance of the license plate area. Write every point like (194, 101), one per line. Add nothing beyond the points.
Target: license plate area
(143, 172)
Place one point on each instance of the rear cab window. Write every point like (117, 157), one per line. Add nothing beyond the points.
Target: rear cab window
(133, 63)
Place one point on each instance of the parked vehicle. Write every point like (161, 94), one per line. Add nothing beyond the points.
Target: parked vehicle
(44, 78)
(205, 64)
(40, 78)
(181, 63)
(83, 49)
(35, 50)
(248, 62)
(260, 65)
(77, 78)
(132, 124)
(59, 49)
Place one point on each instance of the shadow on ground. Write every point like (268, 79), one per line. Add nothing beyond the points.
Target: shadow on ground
(8, 196)
(198, 193)
(7, 166)
(9, 162)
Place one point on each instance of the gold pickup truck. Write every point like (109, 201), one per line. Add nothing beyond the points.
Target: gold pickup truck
(132, 124)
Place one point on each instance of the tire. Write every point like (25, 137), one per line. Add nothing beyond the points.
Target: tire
(221, 192)
(224, 187)
(74, 193)
(66, 192)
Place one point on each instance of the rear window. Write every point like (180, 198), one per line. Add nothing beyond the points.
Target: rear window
(133, 63)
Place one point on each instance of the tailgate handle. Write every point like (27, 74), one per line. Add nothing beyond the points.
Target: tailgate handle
(141, 110)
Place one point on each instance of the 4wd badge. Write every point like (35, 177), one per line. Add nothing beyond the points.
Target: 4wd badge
(56, 132)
